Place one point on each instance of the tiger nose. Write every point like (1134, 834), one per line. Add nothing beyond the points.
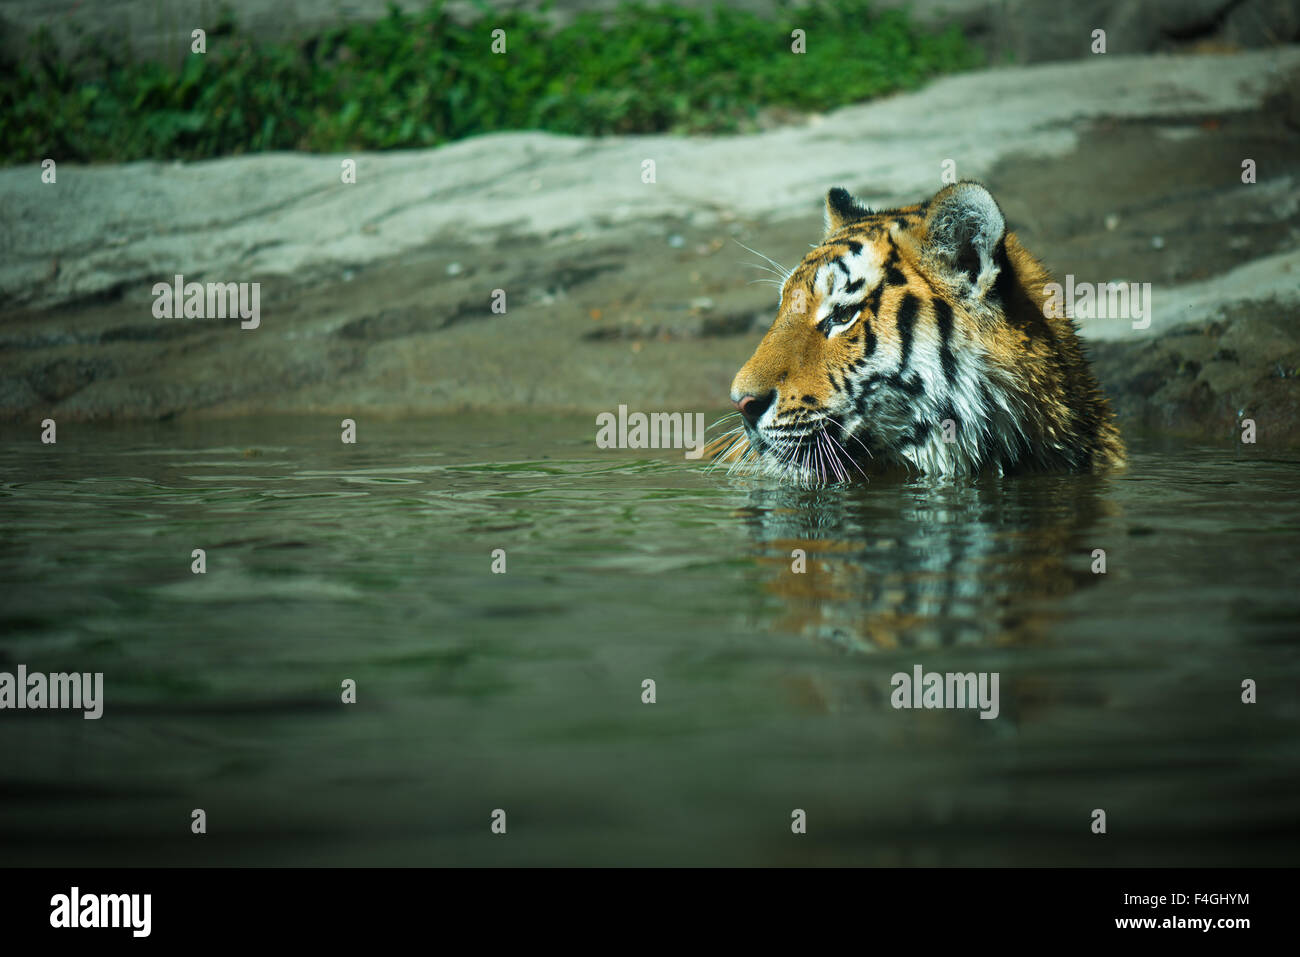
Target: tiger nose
(752, 407)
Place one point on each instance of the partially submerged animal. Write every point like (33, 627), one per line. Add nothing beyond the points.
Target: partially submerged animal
(917, 339)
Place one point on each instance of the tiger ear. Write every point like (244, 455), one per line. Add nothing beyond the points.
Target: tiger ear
(963, 228)
(842, 209)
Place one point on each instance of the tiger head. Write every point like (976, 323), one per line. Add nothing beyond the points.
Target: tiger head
(916, 338)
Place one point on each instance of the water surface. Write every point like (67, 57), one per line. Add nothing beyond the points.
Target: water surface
(523, 691)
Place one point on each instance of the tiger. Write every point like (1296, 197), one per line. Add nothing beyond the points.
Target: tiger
(916, 340)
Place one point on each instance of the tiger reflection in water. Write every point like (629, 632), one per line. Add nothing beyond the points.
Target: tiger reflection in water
(896, 566)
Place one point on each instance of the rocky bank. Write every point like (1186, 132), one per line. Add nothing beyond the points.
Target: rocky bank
(376, 297)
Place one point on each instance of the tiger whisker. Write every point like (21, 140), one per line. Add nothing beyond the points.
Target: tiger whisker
(850, 458)
(729, 415)
(845, 431)
(764, 267)
(823, 439)
(784, 271)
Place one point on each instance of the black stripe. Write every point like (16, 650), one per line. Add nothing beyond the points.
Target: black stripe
(873, 299)
(855, 285)
(906, 322)
(893, 276)
(917, 435)
(943, 318)
(869, 338)
(912, 385)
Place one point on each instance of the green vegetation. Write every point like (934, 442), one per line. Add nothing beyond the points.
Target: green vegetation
(423, 79)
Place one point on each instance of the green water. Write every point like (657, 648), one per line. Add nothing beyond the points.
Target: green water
(523, 691)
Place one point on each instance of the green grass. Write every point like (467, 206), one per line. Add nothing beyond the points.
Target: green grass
(413, 80)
